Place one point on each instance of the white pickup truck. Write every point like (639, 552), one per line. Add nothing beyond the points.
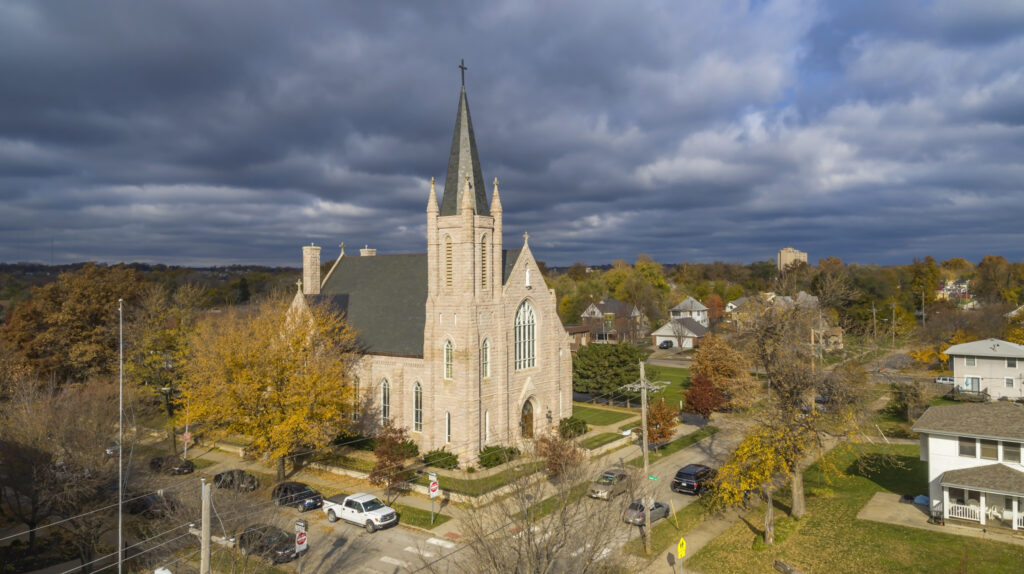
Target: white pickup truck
(361, 509)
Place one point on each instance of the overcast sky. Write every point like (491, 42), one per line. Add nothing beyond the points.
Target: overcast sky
(209, 133)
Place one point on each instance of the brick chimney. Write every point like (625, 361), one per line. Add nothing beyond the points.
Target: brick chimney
(311, 269)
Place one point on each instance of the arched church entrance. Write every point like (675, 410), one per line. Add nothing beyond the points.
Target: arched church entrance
(526, 421)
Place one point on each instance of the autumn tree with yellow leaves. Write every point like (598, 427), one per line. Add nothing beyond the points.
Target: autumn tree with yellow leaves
(727, 369)
(278, 375)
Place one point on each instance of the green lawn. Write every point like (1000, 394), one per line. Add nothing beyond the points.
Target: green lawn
(483, 485)
(679, 381)
(831, 539)
(676, 445)
(599, 417)
(419, 517)
(556, 501)
(600, 440)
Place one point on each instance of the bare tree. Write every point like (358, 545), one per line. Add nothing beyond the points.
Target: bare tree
(537, 526)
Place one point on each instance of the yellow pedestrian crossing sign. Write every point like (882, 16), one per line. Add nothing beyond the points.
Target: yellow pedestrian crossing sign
(682, 547)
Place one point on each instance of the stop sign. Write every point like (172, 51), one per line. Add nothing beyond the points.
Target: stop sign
(300, 541)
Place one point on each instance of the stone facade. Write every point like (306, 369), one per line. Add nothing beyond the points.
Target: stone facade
(474, 391)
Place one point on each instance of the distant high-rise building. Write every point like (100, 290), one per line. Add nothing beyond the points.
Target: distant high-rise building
(788, 256)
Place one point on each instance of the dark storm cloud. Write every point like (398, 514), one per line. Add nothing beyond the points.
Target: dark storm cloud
(222, 132)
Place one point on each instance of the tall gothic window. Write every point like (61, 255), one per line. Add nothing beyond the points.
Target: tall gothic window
(417, 408)
(485, 359)
(449, 350)
(447, 427)
(487, 426)
(447, 261)
(385, 401)
(355, 399)
(483, 262)
(525, 337)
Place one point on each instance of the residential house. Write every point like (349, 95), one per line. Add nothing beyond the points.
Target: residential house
(684, 333)
(613, 321)
(991, 366)
(973, 451)
(690, 308)
(579, 336)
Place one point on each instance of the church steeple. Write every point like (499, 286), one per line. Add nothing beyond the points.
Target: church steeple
(463, 162)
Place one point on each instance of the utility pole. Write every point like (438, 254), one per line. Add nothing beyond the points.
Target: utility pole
(874, 327)
(204, 538)
(647, 476)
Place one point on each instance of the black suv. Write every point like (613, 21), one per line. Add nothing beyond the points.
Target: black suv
(297, 494)
(692, 479)
(268, 542)
(236, 479)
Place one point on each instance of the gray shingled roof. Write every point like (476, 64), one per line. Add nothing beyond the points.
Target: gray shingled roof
(690, 304)
(991, 477)
(987, 348)
(1000, 420)
(690, 324)
(462, 161)
(384, 298)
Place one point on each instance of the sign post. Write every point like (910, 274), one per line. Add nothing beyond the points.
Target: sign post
(301, 542)
(434, 491)
(682, 547)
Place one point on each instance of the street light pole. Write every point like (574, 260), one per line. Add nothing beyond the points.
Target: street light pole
(647, 480)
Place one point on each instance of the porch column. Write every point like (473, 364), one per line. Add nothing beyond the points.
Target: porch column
(984, 508)
(1016, 509)
(945, 503)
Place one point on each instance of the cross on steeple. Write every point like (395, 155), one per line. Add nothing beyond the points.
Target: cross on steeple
(462, 66)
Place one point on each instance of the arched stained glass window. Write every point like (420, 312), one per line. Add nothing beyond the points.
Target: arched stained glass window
(525, 337)
(385, 401)
(417, 408)
(449, 351)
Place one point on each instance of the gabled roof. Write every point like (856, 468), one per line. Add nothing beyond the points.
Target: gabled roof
(737, 303)
(690, 304)
(463, 161)
(991, 477)
(614, 306)
(687, 323)
(384, 298)
(987, 348)
(999, 420)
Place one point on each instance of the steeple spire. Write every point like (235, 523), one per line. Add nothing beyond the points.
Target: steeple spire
(463, 162)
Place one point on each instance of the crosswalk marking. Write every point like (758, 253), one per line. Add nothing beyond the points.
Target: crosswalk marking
(394, 562)
(441, 543)
(422, 553)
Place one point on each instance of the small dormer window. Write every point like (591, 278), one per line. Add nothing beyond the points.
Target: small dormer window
(1011, 363)
(970, 361)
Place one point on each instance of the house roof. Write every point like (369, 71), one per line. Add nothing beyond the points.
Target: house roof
(571, 329)
(991, 477)
(987, 348)
(618, 308)
(737, 303)
(690, 304)
(687, 323)
(1000, 419)
(383, 297)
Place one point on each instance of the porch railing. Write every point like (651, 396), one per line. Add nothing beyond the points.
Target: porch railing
(1020, 521)
(964, 512)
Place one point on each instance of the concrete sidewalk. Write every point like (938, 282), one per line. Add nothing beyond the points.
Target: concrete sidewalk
(705, 533)
(886, 507)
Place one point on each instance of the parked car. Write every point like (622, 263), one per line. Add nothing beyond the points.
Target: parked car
(945, 380)
(268, 542)
(236, 479)
(693, 479)
(150, 506)
(610, 484)
(297, 494)
(634, 513)
(171, 464)
(361, 509)
(665, 344)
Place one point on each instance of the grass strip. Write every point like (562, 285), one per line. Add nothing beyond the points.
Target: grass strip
(556, 501)
(483, 485)
(599, 417)
(676, 445)
(600, 440)
(419, 517)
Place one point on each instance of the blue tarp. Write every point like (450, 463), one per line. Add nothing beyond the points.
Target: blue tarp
(921, 500)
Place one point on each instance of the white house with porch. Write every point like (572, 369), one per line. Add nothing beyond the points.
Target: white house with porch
(975, 472)
(991, 366)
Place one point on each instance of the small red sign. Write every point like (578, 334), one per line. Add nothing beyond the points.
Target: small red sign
(300, 539)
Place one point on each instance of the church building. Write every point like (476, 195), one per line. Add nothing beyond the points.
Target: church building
(463, 345)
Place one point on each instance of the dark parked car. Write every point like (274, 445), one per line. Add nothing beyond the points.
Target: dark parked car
(297, 494)
(634, 513)
(236, 479)
(665, 345)
(267, 542)
(153, 505)
(171, 464)
(692, 479)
